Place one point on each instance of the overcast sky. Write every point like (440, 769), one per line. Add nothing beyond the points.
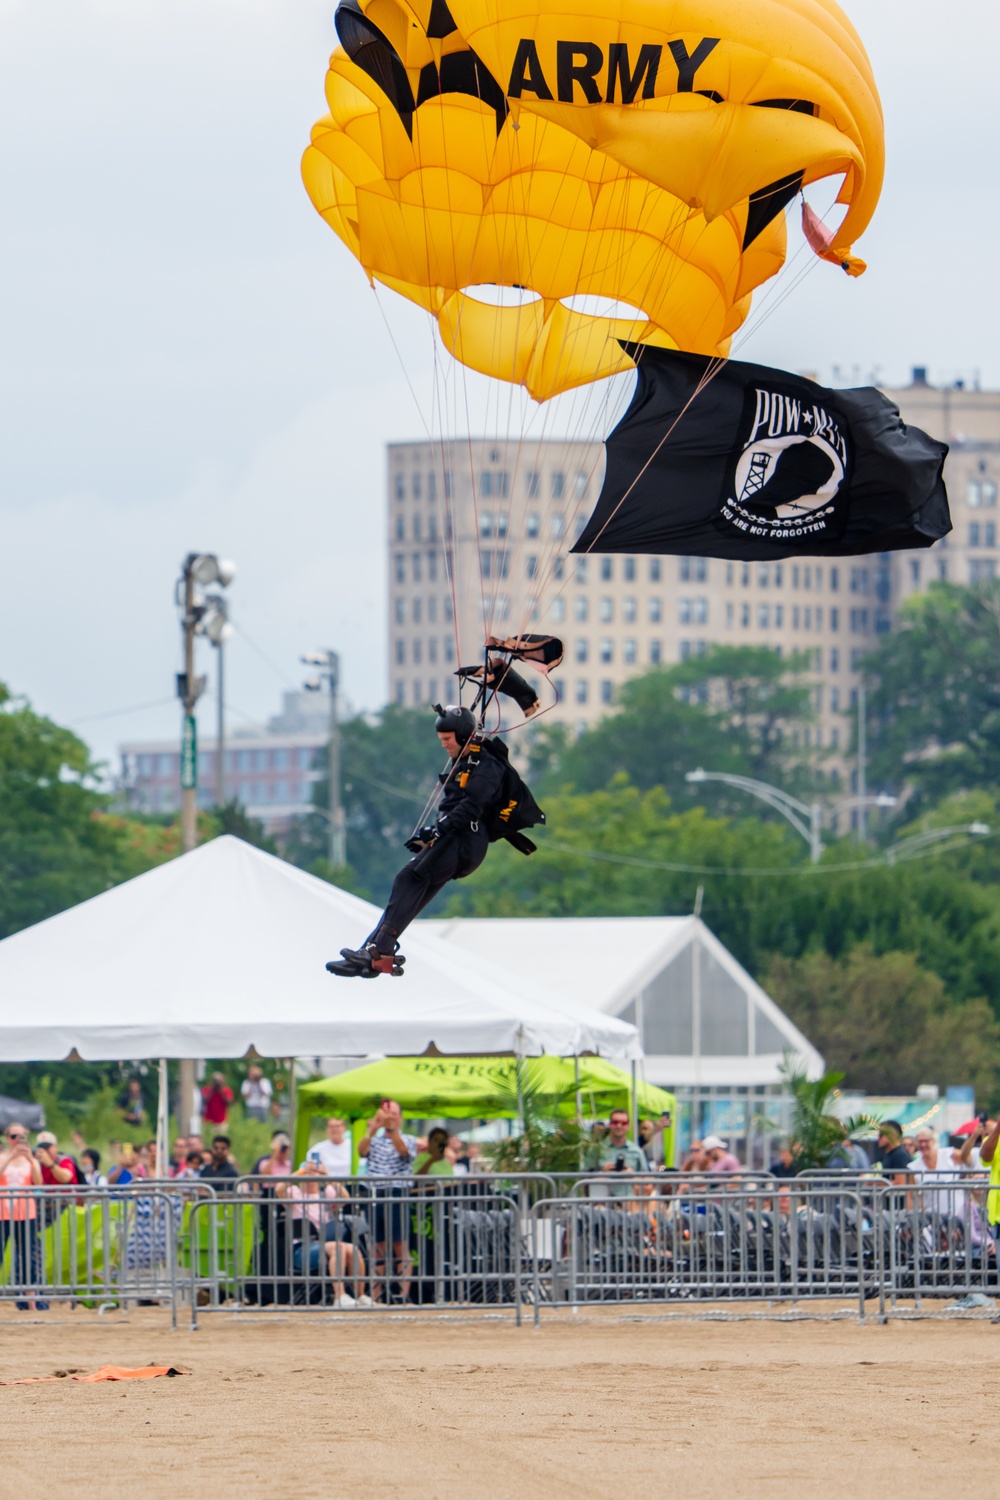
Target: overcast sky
(191, 360)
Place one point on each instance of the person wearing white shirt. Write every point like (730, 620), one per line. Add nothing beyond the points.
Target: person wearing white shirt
(336, 1152)
(255, 1091)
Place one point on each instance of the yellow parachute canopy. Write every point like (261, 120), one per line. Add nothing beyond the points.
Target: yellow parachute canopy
(442, 187)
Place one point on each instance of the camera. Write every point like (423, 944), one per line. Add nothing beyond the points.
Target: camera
(619, 1163)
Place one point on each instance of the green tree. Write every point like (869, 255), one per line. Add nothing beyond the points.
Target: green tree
(57, 845)
(739, 709)
(888, 1023)
(934, 710)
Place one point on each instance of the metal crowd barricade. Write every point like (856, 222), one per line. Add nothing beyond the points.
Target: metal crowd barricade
(360, 1244)
(935, 1242)
(102, 1247)
(714, 1241)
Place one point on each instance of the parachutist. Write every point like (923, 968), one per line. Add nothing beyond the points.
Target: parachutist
(483, 799)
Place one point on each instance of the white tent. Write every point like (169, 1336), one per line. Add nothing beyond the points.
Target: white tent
(704, 1022)
(224, 949)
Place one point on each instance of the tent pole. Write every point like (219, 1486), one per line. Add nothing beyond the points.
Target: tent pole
(576, 1081)
(162, 1122)
(292, 1100)
(635, 1106)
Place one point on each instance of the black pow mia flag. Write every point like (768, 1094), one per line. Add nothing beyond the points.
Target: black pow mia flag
(758, 463)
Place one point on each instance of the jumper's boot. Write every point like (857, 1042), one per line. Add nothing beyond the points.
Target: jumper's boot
(352, 964)
(378, 956)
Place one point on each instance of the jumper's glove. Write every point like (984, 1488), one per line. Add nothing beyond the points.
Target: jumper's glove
(422, 839)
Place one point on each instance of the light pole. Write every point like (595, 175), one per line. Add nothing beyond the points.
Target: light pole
(918, 841)
(199, 570)
(198, 615)
(805, 818)
(217, 628)
(327, 668)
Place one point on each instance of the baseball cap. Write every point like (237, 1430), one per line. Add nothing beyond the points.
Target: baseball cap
(45, 1138)
(713, 1143)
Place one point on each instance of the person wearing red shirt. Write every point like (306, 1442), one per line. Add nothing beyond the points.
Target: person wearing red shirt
(217, 1097)
(57, 1170)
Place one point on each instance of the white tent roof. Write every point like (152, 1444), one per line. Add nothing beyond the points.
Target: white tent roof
(224, 949)
(704, 1022)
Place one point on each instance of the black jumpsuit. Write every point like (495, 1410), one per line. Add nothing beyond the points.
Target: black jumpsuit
(472, 791)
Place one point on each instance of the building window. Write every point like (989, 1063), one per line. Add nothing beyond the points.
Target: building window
(581, 607)
(655, 610)
(580, 570)
(807, 578)
(859, 621)
(558, 568)
(531, 566)
(400, 611)
(415, 486)
(557, 610)
(684, 611)
(729, 574)
(580, 486)
(558, 525)
(432, 488)
(834, 618)
(416, 567)
(629, 611)
(400, 529)
(795, 577)
(795, 617)
(807, 612)
(400, 653)
(582, 689)
(834, 580)
(558, 484)
(417, 651)
(630, 652)
(834, 657)
(654, 570)
(779, 617)
(763, 616)
(446, 605)
(744, 615)
(629, 566)
(532, 524)
(416, 611)
(701, 611)
(655, 655)
(981, 568)
(973, 533)
(432, 609)
(582, 649)
(400, 487)
(400, 568)
(835, 700)
(531, 483)
(685, 650)
(607, 609)
(729, 614)
(607, 649)
(981, 492)
(763, 575)
(607, 691)
(607, 569)
(432, 653)
(779, 575)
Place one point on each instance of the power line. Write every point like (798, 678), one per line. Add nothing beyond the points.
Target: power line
(117, 713)
(879, 862)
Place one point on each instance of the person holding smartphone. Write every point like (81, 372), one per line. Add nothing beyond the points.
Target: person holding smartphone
(20, 1171)
(390, 1154)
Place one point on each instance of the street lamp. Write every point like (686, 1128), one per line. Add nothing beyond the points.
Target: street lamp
(805, 818)
(326, 666)
(919, 841)
(199, 616)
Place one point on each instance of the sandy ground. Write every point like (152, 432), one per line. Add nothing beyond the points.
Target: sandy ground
(302, 1407)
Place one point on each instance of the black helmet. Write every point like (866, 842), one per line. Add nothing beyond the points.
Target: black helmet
(455, 720)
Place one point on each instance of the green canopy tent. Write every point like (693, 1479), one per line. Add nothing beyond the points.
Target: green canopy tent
(476, 1088)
